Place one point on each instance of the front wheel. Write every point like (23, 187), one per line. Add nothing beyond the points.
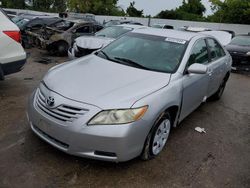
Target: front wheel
(157, 138)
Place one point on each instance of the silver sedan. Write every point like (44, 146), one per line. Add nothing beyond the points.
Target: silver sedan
(122, 101)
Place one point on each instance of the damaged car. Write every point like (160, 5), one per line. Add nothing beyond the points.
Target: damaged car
(58, 38)
(123, 100)
(31, 25)
(87, 44)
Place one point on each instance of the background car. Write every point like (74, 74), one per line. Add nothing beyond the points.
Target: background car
(34, 24)
(85, 45)
(122, 101)
(58, 38)
(120, 22)
(12, 55)
(239, 48)
(162, 26)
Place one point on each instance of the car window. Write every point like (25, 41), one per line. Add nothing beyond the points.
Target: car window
(216, 51)
(168, 27)
(199, 53)
(113, 31)
(84, 29)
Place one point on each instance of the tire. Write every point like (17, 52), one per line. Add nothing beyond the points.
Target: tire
(157, 137)
(62, 48)
(217, 95)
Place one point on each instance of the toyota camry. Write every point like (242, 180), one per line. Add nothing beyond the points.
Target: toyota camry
(122, 101)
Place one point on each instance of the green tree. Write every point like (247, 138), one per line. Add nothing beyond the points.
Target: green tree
(99, 7)
(42, 5)
(19, 4)
(133, 12)
(231, 11)
(59, 6)
(190, 10)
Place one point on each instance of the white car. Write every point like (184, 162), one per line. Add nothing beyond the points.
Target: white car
(85, 45)
(12, 54)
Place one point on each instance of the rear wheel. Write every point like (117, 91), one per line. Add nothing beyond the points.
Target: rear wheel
(157, 138)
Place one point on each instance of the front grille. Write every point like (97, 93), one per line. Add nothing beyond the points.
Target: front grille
(63, 112)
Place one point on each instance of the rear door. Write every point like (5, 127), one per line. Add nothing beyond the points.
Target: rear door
(195, 85)
(216, 67)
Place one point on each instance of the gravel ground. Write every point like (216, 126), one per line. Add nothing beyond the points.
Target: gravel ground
(219, 158)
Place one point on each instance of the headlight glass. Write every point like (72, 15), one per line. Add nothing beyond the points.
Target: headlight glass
(119, 116)
(248, 53)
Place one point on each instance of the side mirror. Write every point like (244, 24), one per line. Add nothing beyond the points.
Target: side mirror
(197, 68)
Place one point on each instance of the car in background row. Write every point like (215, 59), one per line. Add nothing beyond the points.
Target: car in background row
(239, 48)
(162, 26)
(120, 22)
(33, 24)
(123, 100)
(60, 36)
(12, 54)
(87, 44)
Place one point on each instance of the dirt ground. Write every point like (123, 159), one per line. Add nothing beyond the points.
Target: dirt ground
(219, 158)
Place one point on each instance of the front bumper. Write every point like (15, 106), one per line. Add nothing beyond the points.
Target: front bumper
(241, 62)
(104, 142)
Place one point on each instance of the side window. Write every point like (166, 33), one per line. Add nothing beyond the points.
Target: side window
(199, 53)
(83, 29)
(216, 51)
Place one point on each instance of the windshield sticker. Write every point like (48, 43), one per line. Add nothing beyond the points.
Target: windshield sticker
(179, 41)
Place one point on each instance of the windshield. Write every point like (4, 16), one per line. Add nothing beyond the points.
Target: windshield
(113, 32)
(241, 41)
(146, 51)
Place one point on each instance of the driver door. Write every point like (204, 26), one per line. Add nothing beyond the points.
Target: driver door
(195, 86)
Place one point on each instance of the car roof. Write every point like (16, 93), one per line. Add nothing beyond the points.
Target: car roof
(184, 35)
(132, 26)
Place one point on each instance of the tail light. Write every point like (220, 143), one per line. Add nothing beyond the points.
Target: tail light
(15, 35)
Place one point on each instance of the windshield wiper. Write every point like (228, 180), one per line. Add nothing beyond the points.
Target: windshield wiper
(104, 53)
(131, 62)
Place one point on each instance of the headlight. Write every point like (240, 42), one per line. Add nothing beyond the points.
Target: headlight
(248, 53)
(119, 116)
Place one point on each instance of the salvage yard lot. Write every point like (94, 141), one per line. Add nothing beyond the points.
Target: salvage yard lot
(219, 158)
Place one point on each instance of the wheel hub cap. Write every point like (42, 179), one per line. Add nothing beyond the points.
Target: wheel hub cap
(161, 136)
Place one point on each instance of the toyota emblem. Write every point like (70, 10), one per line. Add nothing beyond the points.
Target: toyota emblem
(50, 101)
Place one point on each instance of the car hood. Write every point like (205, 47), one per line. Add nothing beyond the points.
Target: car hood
(236, 48)
(93, 42)
(102, 83)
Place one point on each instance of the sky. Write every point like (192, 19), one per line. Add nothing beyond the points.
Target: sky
(153, 7)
